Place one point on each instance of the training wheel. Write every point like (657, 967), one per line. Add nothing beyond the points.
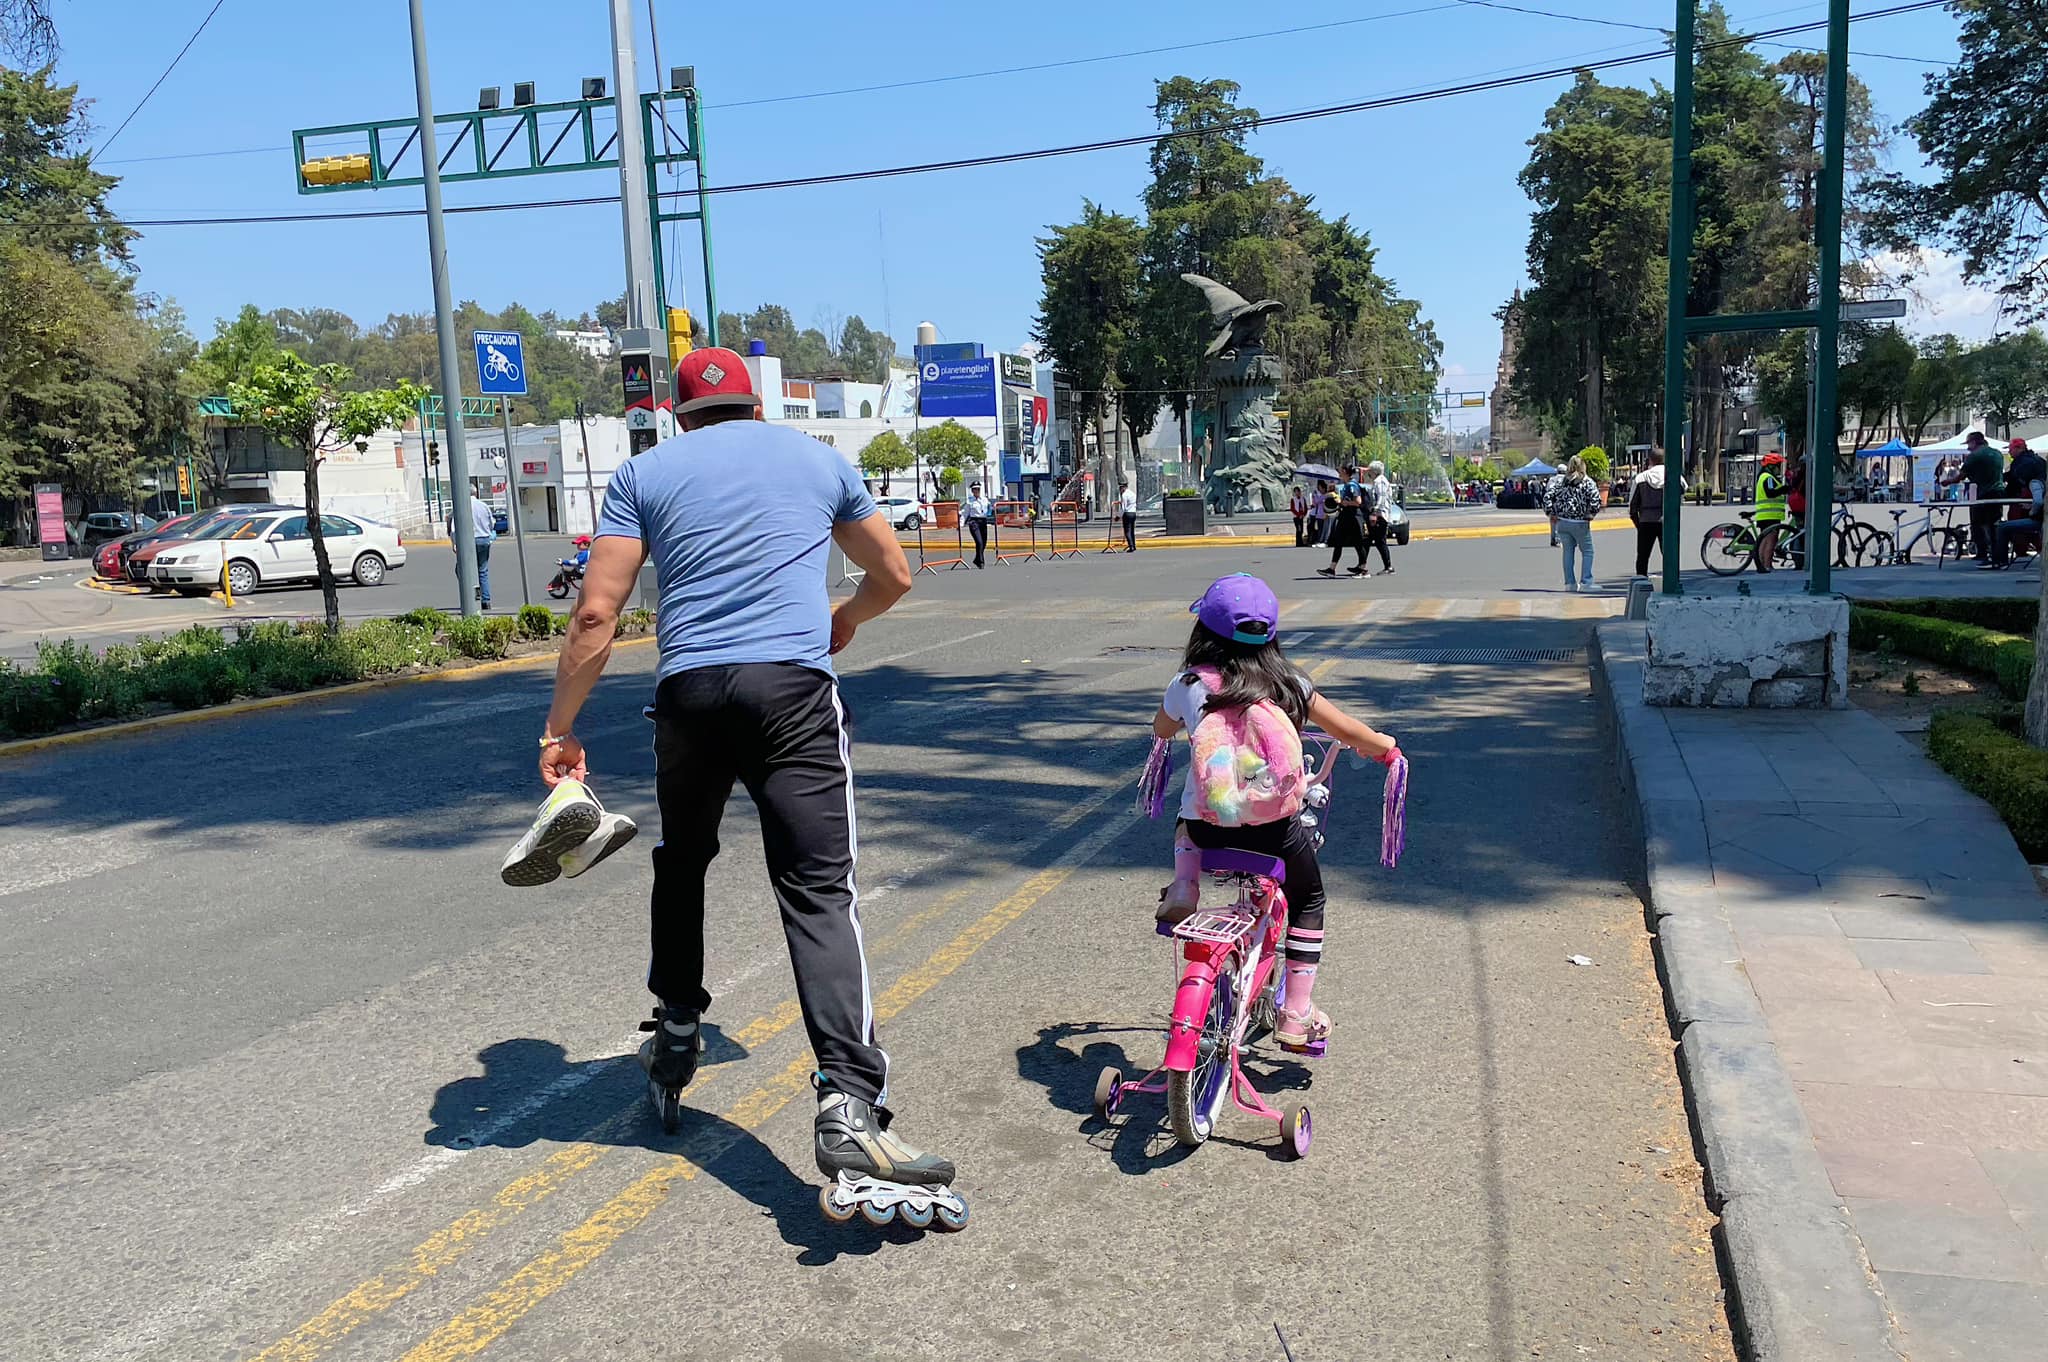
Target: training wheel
(1109, 1086)
(832, 1210)
(1296, 1133)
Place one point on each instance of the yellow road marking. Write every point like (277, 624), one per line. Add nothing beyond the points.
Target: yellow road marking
(441, 1248)
(1428, 608)
(1504, 610)
(437, 1251)
(513, 1299)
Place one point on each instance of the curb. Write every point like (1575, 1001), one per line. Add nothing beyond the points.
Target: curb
(235, 708)
(1802, 1289)
(114, 588)
(1270, 541)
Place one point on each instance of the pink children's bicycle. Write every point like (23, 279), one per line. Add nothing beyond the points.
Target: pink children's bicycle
(1228, 989)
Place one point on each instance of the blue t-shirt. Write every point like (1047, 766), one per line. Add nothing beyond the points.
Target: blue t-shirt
(737, 518)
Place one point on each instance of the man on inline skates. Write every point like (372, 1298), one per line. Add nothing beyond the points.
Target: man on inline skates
(745, 692)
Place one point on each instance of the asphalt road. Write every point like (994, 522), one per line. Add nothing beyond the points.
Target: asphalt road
(291, 1075)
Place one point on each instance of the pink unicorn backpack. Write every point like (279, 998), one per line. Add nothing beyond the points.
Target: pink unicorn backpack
(1246, 763)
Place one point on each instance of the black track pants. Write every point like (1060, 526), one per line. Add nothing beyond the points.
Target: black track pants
(779, 730)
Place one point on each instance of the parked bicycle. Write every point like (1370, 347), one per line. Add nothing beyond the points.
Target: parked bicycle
(1933, 537)
(1732, 547)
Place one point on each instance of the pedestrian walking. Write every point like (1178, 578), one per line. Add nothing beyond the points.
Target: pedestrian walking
(745, 692)
(1349, 530)
(1297, 506)
(1573, 499)
(1318, 512)
(979, 511)
(483, 532)
(1646, 512)
(1379, 496)
(1984, 469)
(1127, 507)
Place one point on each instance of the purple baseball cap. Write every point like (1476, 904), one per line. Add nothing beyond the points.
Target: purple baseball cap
(1239, 607)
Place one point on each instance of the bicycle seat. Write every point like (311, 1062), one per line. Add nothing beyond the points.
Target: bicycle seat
(1747, 515)
(1226, 862)
(1898, 515)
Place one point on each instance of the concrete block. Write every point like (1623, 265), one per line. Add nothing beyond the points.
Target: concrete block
(1706, 983)
(1914, 1236)
(1761, 652)
(1967, 1319)
(1752, 1130)
(1805, 1292)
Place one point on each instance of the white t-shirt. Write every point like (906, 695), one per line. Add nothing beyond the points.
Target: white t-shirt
(1128, 502)
(1183, 701)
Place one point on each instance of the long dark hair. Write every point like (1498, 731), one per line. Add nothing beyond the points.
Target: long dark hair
(1249, 672)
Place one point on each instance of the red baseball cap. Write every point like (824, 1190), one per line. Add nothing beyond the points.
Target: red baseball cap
(2018, 446)
(713, 377)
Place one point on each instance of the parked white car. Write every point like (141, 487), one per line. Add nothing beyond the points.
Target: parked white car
(273, 547)
(905, 513)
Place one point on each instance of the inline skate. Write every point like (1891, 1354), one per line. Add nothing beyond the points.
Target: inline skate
(876, 1174)
(669, 1059)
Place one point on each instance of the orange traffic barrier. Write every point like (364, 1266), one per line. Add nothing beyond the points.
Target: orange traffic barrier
(1066, 515)
(927, 563)
(1015, 516)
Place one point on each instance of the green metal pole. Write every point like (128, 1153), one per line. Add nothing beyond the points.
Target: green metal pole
(1679, 252)
(1820, 501)
(703, 214)
(654, 212)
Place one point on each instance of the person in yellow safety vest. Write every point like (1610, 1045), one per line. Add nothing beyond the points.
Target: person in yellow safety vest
(1771, 509)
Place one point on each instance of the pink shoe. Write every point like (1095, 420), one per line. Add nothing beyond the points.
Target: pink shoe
(1178, 901)
(1303, 1035)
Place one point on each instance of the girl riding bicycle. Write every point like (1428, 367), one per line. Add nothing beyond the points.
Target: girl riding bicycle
(1234, 669)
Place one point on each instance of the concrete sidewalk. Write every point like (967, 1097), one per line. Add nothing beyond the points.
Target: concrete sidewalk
(1857, 964)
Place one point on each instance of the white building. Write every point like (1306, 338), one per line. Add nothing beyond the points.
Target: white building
(598, 344)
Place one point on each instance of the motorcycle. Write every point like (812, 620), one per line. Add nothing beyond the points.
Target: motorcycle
(567, 578)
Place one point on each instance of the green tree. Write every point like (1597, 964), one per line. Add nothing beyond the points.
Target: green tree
(885, 456)
(311, 408)
(947, 448)
(1935, 386)
(1598, 174)
(1984, 132)
(1871, 384)
(1087, 309)
(2008, 377)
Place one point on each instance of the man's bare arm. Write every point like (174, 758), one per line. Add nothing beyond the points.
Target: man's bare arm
(607, 583)
(872, 546)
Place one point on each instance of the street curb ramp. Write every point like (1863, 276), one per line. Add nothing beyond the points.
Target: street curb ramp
(1802, 1289)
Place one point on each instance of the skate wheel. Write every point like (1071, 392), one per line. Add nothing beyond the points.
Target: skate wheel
(1296, 1133)
(918, 1217)
(668, 1107)
(950, 1219)
(831, 1208)
(1108, 1088)
(877, 1215)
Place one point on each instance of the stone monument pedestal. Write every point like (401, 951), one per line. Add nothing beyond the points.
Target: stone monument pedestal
(1778, 649)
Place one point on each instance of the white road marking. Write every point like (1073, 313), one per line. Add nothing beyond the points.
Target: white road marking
(59, 860)
(928, 648)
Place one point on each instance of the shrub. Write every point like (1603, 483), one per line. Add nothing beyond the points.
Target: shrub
(31, 702)
(1176, 493)
(426, 617)
(2007, 659)
(1988, 757)
(634, 622)
(536, 622)
(561, 623)
(2006, 614)
(499, 631)
(467, 637)
(377, 647)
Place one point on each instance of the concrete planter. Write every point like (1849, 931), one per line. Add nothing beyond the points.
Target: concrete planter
(1186, 515)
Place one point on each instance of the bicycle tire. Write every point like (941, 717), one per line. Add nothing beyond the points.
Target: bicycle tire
(1937, 544)
(1851, 539)
(1719, 549)
(1878, 549)
(1189, 1093)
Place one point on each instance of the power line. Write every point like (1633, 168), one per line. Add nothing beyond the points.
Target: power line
(1047, 153)
(160, 79)
(1658, 28)
(1029, 69)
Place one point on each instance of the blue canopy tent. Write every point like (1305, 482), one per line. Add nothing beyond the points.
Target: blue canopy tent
(1885, 467)
(1535, 468)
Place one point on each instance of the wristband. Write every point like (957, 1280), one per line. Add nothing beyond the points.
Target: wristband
(546, 742)
(1388, 757)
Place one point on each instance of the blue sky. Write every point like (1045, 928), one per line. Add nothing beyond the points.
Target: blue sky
(1433, 183)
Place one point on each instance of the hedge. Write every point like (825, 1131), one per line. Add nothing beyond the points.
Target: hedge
(2005, 614)
(2007, 659)
(1988, 756)
(70, 684)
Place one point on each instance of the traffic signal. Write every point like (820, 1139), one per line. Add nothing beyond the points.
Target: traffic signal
(336, 170)
(678, 334)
